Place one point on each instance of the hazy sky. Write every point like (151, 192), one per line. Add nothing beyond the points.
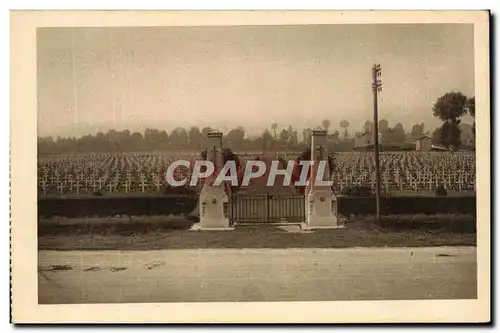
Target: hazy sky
(93, 79)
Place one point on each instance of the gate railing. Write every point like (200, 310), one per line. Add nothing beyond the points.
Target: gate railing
(267, 208)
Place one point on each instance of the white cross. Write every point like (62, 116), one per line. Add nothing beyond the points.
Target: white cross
(127, 186)
(44, 186)
(158, 183)
(59, 186)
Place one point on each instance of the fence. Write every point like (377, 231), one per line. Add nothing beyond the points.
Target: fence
(267, 208)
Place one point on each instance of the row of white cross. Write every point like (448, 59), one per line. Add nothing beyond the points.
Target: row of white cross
(61, 186)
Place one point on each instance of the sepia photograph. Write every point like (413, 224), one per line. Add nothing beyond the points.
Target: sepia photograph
(227, 163)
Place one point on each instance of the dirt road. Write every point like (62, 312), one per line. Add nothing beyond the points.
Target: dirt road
(257, 275)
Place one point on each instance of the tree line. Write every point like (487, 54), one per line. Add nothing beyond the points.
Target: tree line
(449, 108)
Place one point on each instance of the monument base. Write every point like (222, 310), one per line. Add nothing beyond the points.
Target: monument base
(200, 227)
(321, 210)
(305, 226)
(214, 205)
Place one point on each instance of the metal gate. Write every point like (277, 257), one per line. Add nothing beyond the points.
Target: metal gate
(267, 208)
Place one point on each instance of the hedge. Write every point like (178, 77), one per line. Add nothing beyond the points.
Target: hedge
(406, 205)
(186, 204)
(111, 206)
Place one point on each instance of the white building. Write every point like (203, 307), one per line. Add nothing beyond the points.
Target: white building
(423, 143)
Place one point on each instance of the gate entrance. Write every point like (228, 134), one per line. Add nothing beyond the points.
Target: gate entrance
(267, 208)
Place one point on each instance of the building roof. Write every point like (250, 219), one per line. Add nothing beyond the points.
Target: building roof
(319, 131)
(423, 137)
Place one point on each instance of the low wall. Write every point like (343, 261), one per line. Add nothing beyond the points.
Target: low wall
(184, 205)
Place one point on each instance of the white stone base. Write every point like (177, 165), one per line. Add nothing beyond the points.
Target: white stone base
(199, 227)
(212, 201)
(305, 226)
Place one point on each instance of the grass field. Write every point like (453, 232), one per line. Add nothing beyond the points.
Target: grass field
(151, 233)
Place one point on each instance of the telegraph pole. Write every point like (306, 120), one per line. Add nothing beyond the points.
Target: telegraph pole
(376, 88)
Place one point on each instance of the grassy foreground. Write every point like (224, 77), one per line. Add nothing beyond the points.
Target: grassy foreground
(148, 233)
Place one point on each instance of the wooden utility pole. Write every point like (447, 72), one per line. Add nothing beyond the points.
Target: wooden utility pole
(376, 88)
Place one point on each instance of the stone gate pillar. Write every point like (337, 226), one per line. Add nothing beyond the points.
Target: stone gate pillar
(320, 201)
(214, 199)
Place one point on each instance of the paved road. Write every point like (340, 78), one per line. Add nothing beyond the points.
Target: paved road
(257, 275)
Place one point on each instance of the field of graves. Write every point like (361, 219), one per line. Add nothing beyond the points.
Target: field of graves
(82, 174)
(408, 172)
(108, 174)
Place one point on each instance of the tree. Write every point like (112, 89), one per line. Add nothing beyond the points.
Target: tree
(383, 128)
(383, 125)
(466, 134)
(205, 131)
(163, 140)
(306, 135)
(294, 138)
(194, 137)
(394, 135)
(399, 127)
(399, 133)
(368, 126)
(284, 137)
(326, 124)
(274, 126)
(137, 141)
(417, 131)
(345, 124)
(267, 140)
(471, 108)
(450, 108)
(450, 135)
(178, 137)
(236, 137)
(436, 136)
(336, 135)
(151, 138)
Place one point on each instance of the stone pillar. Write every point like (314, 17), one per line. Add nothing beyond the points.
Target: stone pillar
(214, 200)
(320, 201)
